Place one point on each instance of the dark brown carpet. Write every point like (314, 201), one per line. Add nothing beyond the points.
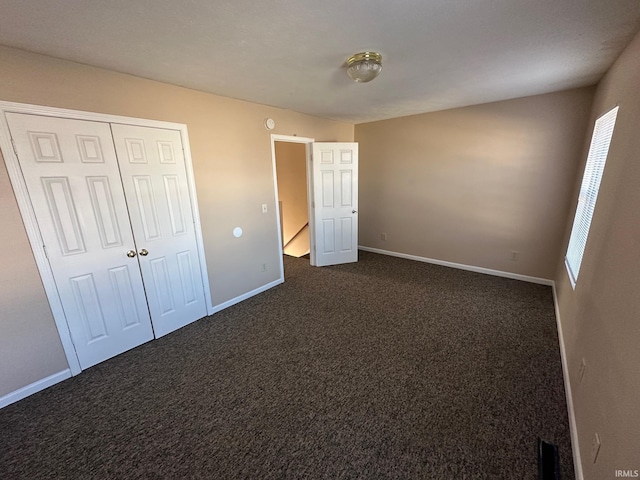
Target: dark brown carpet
(384, 369)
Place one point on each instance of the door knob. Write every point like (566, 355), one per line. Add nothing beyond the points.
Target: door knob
(354, 211)
(144, 252)
(131, 253)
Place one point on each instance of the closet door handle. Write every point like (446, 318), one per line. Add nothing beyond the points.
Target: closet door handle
(144, 252)
(131, 253)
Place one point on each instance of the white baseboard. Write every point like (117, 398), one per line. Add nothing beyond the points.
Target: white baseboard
(573, 428)
(461, 266)
(233, 301)
(34, 388)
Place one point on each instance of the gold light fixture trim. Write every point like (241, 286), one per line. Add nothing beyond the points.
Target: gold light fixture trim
(364, 67)
(358, 57)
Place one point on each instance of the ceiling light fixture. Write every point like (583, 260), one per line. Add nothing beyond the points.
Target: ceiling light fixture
(364, 67)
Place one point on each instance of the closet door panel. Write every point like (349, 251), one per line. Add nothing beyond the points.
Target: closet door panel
(71, 173)
(155, 183)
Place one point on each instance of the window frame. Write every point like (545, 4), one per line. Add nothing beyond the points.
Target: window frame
(588, 195)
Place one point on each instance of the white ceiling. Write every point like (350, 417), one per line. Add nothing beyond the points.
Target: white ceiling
(437, 54)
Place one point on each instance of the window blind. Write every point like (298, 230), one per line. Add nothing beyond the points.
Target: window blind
(594, 169)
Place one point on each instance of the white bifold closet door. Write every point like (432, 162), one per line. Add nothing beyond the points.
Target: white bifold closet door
(155, 185)
(120, 241)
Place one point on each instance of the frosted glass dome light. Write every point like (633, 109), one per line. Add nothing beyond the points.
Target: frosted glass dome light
(364, 67)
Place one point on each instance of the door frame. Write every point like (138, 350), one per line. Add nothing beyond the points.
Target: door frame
(29, 218)
(308, 154)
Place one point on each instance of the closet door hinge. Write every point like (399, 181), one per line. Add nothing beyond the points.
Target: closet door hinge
(13, 144)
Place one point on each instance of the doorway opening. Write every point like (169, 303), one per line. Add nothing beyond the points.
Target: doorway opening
(293, 203)
(292, 177)
(331, 224)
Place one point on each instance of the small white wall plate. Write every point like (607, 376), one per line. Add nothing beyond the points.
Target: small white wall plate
(270, 123)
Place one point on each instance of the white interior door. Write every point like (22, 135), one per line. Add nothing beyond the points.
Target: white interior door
(155, 184)
(335, 203)
(71, 173)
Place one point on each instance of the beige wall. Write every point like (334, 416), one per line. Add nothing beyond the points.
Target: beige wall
(467, 185)
(473, 184)
(291, 165)
(231, 152)
(601, 318)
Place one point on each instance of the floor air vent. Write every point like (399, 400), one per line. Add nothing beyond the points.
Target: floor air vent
(548, 461)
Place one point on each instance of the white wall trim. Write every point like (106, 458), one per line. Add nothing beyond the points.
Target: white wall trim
(461, 266)
(196, 217)
(573, 426)
(247, 295)
(35, 387)
(29, 218)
